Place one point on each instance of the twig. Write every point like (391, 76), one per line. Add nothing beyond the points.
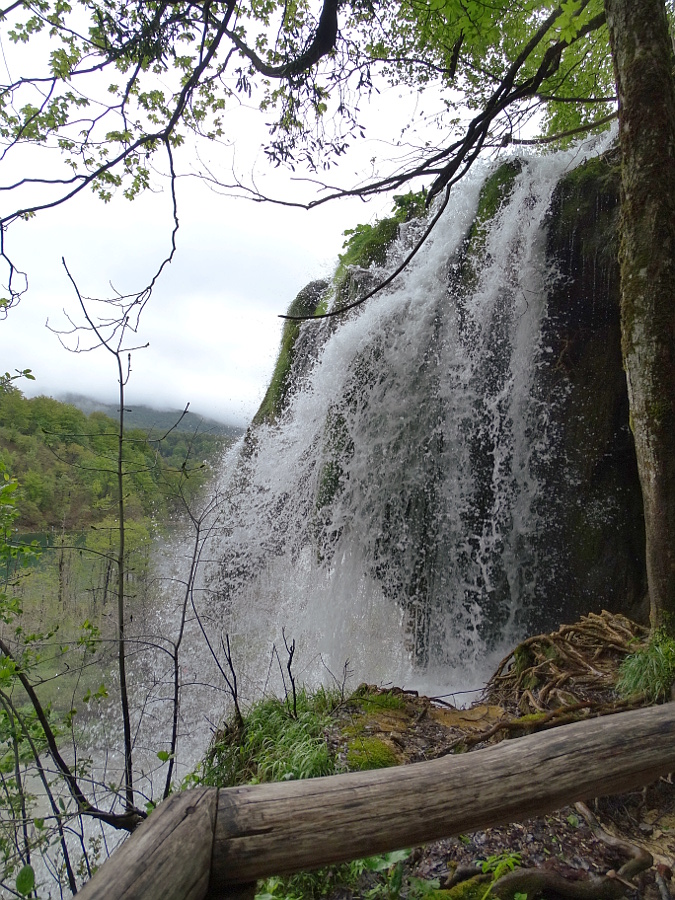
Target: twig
(289, 663)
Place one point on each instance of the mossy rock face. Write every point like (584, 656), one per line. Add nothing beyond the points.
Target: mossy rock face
(493, 195)
(596, 536)
(305, 304)
(367, 246)
(600, 532)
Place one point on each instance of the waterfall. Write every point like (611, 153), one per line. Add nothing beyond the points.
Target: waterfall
(395, 515)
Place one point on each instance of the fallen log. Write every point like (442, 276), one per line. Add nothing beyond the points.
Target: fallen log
(204, 843)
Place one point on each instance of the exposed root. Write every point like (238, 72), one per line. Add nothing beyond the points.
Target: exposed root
(551, 718)
(639, 858)
(538, 882)
(577, 663)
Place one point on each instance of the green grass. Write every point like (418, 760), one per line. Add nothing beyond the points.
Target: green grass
(650, 671)
(272, 744)
(370, 700)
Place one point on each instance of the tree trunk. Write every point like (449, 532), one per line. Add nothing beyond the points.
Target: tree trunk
(643, 66)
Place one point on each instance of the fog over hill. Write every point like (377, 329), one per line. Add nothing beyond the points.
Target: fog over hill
(157, 420)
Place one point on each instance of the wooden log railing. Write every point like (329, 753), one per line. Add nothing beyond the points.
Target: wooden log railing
(206, 844)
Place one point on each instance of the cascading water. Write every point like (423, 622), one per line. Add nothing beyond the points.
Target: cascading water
(408, 515)
(392, 515)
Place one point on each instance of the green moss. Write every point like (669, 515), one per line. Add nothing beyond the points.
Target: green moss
(370, 753)
(322, 307)
(495, 191)
(305, 304)
(551, 652)
(337, 444)
(370, 699)
(471, 889)
(589, 202)
(600, 170)
(329, 484)
(528, 724)
(367, 245)
(522, 659)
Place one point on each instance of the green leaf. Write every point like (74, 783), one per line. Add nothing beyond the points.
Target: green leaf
(163, 756)
(386, 860)
(25, 881)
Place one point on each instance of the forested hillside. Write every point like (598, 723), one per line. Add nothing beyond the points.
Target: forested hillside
(154, 420)
(66, 464)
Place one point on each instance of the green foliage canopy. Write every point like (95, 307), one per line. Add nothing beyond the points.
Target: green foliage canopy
(471, 48)
(110, 84)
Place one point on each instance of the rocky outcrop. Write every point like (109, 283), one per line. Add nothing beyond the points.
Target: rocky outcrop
(601, 531)
(296, 354)
(446, 536)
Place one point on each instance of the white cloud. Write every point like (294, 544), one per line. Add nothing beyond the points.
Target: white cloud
(212, 322)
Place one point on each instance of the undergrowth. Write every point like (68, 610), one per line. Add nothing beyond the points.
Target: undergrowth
(372, 878)
(370, 700)
(651, 670)
(273, 744)
(367, 244)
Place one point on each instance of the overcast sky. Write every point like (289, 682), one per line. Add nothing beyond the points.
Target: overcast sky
(212, 324)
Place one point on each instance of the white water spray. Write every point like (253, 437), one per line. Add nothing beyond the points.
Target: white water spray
(392, 516)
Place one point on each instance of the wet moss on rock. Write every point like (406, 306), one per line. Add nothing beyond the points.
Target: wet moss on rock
(493, 195)
(600, 531)
(305, 304)
(472, 889)
(367, 245)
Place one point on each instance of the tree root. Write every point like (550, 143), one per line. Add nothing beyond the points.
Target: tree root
(535, 882)
(538, 882)
(576, 663)
(639, 860)
(543, 720)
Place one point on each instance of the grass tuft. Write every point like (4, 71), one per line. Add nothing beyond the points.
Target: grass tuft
(650, 671)
(273, 745)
